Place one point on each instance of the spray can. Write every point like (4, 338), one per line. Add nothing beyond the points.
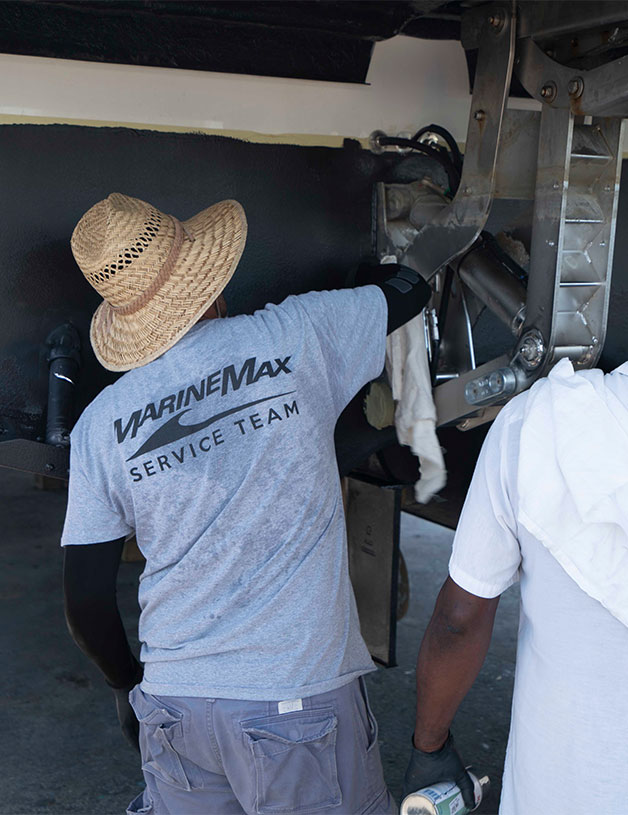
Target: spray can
(444, 798)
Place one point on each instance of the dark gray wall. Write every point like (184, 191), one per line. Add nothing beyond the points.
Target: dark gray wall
(309, 213)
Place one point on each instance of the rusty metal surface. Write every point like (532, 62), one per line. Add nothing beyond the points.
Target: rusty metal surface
(601, 91)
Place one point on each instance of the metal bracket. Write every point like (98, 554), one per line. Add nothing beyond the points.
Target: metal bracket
(35, 457)
(561, 19)
(573, 233)
(601, 91)
(455, 228)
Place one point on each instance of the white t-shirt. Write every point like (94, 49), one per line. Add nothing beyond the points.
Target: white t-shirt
(568, 745)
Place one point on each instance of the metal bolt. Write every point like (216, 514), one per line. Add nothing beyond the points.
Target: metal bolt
(49, 467)
(607, 188)
(575, 86)
(532, 349)
(479, 115)
(548, 91)
(496, 20)
(467, 191)
(375, 145)
(555, 185)
(602, 243)
(551, 243)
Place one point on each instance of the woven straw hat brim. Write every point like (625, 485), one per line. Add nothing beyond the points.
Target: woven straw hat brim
(203, 269)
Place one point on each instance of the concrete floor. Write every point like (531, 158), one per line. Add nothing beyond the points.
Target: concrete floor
(62, 751)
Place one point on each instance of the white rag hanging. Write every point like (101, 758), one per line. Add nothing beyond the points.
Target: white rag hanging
(415, 415)
(573, 480)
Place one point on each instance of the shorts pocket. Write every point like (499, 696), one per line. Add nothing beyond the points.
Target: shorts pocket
(161, 731)
(140, 805)
(294, 755)
(372, 727)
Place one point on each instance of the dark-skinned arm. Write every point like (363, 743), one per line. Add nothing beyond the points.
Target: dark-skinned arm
(93, 618)
(452, 652)
(451, 655)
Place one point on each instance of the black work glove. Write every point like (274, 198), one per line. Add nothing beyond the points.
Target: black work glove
(445, 764)
(126, 715)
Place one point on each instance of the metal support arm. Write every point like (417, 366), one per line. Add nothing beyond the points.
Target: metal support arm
(458, 225)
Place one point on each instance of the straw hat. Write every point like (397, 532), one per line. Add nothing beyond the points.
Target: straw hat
(157, 275)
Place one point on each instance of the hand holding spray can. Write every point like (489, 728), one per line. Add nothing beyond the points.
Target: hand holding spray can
(444, 798)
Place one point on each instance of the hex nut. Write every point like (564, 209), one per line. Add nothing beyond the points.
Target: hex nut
(548, 91)
(575, 87)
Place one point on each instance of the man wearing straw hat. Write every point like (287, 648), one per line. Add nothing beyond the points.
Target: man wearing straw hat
(216, 449)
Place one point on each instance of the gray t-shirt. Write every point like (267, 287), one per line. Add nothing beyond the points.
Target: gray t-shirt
(220, 456)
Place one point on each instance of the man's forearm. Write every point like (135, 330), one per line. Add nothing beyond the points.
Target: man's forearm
(99, 633)
(451, 655)
(92, 611)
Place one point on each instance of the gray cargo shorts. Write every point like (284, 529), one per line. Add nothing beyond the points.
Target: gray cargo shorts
(318, 754)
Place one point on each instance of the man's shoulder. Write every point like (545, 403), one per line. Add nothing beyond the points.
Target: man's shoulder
(344, 302)
(91, 421)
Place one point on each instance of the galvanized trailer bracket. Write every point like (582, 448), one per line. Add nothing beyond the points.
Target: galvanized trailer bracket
(567, 161)
(576, 197)
(458, 225)
(576, 192)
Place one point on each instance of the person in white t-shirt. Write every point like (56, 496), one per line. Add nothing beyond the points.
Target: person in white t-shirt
(548, 507)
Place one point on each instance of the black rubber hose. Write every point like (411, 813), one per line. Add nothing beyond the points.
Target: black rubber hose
(456, 155)
(446, 163)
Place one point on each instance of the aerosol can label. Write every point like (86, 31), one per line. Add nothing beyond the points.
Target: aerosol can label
(443, 798)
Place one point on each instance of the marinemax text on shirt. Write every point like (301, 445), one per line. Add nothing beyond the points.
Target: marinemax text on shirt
(224, 380)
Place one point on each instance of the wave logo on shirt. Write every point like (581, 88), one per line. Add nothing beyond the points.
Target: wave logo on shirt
(173, 431)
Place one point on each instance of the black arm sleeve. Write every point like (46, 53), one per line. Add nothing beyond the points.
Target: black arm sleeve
(91, 610)
(406, 292)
